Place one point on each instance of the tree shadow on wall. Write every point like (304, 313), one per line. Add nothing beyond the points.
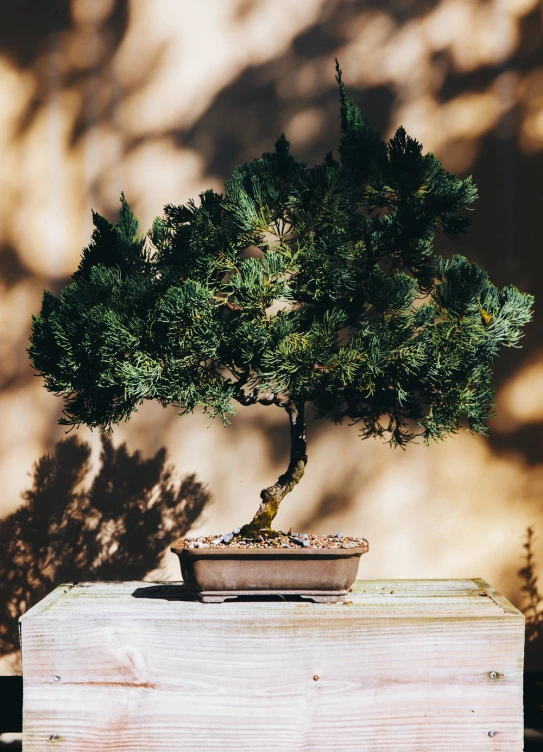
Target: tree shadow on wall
(116, 529)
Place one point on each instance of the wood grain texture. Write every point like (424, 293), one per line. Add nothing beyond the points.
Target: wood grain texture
(406, 666)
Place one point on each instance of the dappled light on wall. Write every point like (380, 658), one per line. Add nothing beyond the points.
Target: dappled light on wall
(520, 401)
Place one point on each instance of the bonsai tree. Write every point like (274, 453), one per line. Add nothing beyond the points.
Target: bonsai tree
(298, 285)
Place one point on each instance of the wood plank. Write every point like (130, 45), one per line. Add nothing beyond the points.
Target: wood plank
(499, 599)
(91, 720)
(170, 600)
(50, 600)
(402, 674)
(416, 588)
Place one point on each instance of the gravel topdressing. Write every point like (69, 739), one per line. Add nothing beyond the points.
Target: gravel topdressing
(286, 540)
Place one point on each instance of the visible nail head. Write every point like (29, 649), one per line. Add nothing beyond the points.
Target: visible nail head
(316, 678)
(492, 733)
(53, 737)
(56, 678)
(493, 675)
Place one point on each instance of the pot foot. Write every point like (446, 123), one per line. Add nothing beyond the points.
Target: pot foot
(219, 596)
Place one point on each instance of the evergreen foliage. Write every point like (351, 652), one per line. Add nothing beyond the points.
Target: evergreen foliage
(298, 284)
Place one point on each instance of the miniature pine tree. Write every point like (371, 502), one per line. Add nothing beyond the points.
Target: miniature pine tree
(299, 285)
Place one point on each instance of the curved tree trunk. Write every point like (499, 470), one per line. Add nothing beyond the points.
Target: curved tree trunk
(273, 495)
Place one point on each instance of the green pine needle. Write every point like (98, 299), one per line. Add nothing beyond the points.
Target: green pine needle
(313, 283)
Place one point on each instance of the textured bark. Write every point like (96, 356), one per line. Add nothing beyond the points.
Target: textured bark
(273, 495)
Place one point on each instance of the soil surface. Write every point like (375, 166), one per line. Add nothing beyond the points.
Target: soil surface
(278, 540)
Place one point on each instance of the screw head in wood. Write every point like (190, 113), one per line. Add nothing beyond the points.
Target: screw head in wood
(56, 678)
(492, 733)
(493, 675)
(53, 737)
(316, 677)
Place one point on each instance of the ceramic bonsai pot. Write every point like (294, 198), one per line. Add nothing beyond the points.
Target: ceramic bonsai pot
(324, 575)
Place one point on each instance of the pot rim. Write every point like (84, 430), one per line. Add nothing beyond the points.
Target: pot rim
(237, 552)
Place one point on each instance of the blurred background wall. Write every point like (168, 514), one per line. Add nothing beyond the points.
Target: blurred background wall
(161, 99)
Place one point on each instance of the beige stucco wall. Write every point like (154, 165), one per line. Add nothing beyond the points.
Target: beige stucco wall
(161, 98)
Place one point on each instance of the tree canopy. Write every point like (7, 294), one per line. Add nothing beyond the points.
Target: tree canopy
(296, 284)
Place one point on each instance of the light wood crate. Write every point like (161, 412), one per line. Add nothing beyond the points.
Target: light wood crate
(424, 666)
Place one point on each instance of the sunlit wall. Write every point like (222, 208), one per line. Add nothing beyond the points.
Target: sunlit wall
(161, 99)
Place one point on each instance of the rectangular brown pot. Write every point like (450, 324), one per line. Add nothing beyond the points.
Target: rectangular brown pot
(321, 574)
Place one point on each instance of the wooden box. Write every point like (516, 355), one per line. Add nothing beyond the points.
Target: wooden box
(424, 666)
